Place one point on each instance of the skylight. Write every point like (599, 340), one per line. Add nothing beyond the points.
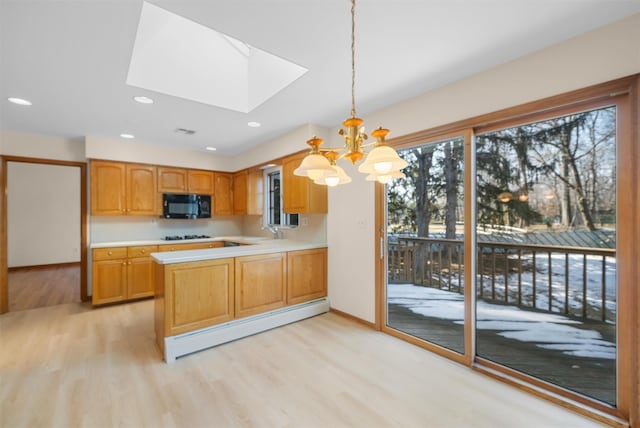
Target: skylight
(176, 56)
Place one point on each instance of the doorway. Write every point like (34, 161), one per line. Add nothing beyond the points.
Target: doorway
(39, 264)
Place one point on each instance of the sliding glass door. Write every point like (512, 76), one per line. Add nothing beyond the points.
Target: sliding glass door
(502, 247)
(546, 250)
(425, 235)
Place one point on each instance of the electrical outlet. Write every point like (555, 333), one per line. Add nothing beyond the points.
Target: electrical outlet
(304, 221)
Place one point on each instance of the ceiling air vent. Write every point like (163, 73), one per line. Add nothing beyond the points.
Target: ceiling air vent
(184, 131)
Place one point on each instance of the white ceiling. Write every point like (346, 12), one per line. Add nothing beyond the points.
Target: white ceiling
(71, 58)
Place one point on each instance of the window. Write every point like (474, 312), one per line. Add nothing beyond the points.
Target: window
(273, 209)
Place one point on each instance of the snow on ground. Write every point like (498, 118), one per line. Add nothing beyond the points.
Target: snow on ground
(546, 330)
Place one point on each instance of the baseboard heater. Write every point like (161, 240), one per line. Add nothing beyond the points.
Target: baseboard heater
(188, 343)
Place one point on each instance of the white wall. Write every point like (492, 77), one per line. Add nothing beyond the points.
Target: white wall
(41, 146)
(601, 55)
(132, 151)
(43, 214)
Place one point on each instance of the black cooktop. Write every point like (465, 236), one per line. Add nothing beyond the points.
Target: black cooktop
(179, 238)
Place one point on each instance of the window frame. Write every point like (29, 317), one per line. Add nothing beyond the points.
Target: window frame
(287, 221)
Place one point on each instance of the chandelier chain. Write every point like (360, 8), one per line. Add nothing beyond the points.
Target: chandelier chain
(353, 58)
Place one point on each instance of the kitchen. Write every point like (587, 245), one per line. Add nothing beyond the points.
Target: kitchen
(348, 228)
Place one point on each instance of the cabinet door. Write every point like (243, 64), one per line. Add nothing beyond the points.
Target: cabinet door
(222, 200)
(172, 180)
(200, 182)
(295, 189)
(260, 283)
(299, 194)
(255, 193)
(140, 277)
(198, 295)
(141, 189)
(306, 275)
(107, 188)
(109, 281)
(240, 193)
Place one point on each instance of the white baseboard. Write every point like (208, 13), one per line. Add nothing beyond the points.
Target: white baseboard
(187, 343)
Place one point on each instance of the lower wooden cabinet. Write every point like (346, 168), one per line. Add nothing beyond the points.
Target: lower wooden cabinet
(306, 275)
(194, 295)
(122, 273)
(197, 295)
(261, 283)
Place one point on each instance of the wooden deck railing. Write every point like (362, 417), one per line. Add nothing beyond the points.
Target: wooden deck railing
(520, 275)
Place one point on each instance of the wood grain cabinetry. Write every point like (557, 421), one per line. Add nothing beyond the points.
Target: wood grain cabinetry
(172, 180)
(200, 182)
(306, 275)
(140, 189)
(260, 283)
(299, 194)
(223, 193)
(183, 180)
(255, 193)
(119, 188)
(140, 271)
(240, 192)
(195, 295)
(122, 273)
(109, 275)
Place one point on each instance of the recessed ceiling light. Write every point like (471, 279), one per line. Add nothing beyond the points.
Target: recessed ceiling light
(19, 101)
(127, 136)
(143, 100)
(254, 124)
(211, 149)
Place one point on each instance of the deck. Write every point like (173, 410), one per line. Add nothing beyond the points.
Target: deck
(593, 377)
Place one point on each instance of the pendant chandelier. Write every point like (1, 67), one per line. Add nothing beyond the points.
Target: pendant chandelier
(382, 164)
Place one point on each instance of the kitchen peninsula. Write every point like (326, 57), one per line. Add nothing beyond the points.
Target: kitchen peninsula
(211, 296)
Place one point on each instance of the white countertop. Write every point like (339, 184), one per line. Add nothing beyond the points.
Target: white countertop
(240, 239)
(262, 246)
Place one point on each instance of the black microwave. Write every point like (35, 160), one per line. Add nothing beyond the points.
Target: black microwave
(186, 206)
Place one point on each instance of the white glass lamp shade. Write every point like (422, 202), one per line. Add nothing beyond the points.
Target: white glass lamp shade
(313, 166)
(337, 176)
(382, 160)
(385, 178)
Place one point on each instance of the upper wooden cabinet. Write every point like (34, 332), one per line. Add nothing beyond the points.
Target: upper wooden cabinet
(108, 188)
(119, 188)
(200, 182)
(182, 180)
(301, 195)
(255, 193)
(223, 193)
(140, 189)
(240, 192)
(172, 180)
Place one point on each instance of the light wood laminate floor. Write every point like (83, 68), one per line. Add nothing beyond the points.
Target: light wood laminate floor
(71, 365)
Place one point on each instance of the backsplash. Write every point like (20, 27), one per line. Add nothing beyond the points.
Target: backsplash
(315, 229)
(130, 228)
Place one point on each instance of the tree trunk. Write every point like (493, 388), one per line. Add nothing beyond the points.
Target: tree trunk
(451, 189)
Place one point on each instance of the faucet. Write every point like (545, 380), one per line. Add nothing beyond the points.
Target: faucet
(273, 229)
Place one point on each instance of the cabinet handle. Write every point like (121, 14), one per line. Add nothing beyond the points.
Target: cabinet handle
(124, 263)
(144, 251)
(109, 253)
